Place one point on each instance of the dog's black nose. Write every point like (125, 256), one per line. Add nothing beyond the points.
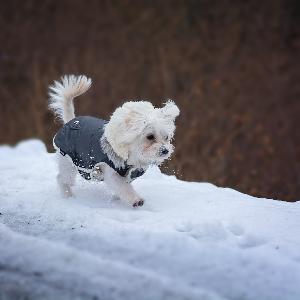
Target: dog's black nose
(163, 151)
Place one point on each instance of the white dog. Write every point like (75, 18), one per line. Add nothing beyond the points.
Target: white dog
(116, 151)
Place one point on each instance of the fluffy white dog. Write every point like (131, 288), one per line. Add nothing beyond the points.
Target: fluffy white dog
(116, 151)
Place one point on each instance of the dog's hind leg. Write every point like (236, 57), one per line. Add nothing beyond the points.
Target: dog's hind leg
(66, 175)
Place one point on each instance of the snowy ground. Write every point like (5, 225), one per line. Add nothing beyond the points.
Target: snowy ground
(189, 241)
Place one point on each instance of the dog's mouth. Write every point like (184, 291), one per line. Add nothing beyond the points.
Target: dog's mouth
(161, 158)
(155, 156)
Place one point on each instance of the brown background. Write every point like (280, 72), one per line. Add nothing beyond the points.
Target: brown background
(231, 66)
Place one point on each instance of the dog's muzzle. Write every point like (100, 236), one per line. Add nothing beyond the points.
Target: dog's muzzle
(163, 151)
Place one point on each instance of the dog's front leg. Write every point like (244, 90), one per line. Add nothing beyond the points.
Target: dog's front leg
(118, 184)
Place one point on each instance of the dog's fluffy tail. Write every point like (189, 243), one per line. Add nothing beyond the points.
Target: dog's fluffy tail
(62, 95)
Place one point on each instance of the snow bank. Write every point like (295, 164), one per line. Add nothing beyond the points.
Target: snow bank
(189, 241)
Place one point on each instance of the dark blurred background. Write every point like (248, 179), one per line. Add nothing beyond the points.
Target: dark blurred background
(231, 66)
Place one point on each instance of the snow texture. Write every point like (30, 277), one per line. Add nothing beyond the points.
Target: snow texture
(189, 241)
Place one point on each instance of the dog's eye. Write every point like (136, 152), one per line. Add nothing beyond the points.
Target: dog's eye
(166, 138)
(150, 137)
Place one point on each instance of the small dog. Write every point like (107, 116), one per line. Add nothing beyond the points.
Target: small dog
(116, 151)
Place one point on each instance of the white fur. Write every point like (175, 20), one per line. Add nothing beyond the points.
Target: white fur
(126, 137)
(62, 95)
(66, 175)
(130, 124)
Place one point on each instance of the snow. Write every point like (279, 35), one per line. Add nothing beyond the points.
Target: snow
(189, 241)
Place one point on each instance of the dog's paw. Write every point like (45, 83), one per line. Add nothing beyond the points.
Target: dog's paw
(138, 203)
(66, 191)
(68, 194)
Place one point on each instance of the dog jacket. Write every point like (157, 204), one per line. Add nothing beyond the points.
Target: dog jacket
(80, 139)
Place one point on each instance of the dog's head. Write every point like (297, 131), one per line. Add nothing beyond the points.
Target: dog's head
(141, 134)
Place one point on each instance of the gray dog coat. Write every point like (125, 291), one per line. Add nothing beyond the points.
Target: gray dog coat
(80, 139)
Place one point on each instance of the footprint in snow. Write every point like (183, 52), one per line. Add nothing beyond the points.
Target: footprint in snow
(209, 231)
(245, 240)
(236, 229)
(251, 241)
(216, 231)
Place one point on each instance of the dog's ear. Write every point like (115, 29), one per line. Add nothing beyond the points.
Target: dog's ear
(170, 110)
(125, 134)
(123, 151)
(116, 133)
